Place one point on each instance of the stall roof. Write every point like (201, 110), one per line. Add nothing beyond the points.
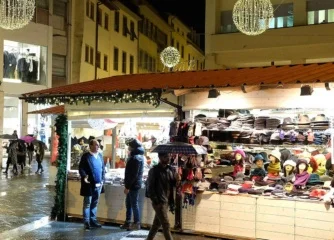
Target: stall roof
(57, 110)
(289, 74)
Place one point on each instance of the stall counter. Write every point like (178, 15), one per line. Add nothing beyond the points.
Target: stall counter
(111, 206)
(258, 217)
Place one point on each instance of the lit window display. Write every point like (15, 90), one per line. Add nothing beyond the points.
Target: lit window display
(24, 63)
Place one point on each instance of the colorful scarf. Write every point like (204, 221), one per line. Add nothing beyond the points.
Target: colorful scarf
(301, 179)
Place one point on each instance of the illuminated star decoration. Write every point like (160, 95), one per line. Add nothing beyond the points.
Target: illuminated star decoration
(170, 57)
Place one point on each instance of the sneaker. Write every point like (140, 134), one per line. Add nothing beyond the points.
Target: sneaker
(36, 172)
(136, 226)
(126, 226)
(95, 224)
(87, 226)
(42, 170)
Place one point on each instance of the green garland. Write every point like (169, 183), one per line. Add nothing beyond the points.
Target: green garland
(58, 210)
(152, 97)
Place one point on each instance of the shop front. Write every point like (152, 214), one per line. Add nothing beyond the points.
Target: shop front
(262, 122)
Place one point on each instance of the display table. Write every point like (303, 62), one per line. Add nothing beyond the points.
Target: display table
(258, 217)
(111, 206)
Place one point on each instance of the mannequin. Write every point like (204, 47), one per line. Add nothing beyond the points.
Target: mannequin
(320, 159)
(302, 175)
(274, 167)
(288, 171)
(258, 173)
(238, 161)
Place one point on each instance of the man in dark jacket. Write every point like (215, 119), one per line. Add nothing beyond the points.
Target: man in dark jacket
(133, 180)
(91, 169)
(160, 184)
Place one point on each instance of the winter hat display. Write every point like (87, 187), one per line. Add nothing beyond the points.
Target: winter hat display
(276, 154)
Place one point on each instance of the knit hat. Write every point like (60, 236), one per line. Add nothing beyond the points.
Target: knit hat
(240, 151)
(320, 159)
(289, 162)
(301, 161)
(276, 154)
(258, 157)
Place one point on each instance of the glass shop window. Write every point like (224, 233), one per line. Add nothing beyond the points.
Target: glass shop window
(320, 12)
(24, 62)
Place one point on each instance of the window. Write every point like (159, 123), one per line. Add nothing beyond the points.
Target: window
(140, 58)
(172, 42)
(145, 60)
(283, 16)
(105, 63)
(132, 64)
(116, 26)
(226, 23)
(86, 53)
(178, 30)
(177, 45)
(87, 8)
(99, 16)
(125, 26)
(42, 4)
(58, 65)
(182, 51)
(149, 64)
(154, 65)
(19, 53)
(132, 30)
(123, 62)
(60, 8)
(98, 59)
(319, 12)
(92, 11)
(106, 21)
(91, 56)
(116, 59)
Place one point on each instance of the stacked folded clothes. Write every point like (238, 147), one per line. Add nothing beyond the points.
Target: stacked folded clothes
(320, 138)
(247, 121)
(272, 123)
(260, 123)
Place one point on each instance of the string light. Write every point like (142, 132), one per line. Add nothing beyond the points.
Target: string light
(170, 57)
(252, 17)
(152, 98)
(15, 14)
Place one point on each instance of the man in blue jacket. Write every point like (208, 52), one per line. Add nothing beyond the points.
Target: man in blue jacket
(91, 169)
(133, 180)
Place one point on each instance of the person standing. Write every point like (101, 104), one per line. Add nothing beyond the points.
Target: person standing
(15, 135)
(21, 154)
(159, 188)
(31, 149)
(133, 181)
(92, 172)
(12, 157)
(40, 152)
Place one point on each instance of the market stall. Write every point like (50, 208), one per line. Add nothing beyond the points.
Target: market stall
(238, 111)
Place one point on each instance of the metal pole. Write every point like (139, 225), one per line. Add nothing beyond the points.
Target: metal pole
(113, 144)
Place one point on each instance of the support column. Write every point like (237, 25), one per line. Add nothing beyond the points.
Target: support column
(2, 102)
(113, 144)
(69, 136)
(24, 119)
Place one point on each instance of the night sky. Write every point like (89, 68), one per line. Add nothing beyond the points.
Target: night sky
(191, 12)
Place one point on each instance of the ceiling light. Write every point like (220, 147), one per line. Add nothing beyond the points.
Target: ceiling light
(213, 93)
(306, 90)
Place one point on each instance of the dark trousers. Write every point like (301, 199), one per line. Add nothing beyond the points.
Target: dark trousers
(160, 219)
(39, 162)
(132, 205)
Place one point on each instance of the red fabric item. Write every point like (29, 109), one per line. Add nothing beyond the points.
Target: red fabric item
(190, 175)
(198, 174)
(313, 163)
(237, 168)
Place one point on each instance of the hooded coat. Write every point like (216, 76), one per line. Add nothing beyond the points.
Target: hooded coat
(134, 169)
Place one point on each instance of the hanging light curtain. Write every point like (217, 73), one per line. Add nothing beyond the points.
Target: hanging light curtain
(15, 14)
(252, 17)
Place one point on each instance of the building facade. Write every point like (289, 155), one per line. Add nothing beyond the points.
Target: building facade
(300, 32)
(112, 30)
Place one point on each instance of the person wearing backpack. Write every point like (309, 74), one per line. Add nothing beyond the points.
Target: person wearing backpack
(160, 184)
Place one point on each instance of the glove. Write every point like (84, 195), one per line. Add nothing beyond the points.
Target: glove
(172, 208)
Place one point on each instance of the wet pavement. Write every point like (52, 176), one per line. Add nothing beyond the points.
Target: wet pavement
(25, 206)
